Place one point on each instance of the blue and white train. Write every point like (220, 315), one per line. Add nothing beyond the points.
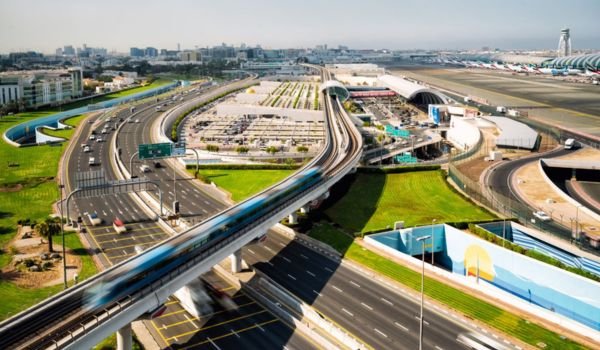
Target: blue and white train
(157, 262)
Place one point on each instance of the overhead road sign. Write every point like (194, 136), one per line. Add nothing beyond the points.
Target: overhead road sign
(154, 150)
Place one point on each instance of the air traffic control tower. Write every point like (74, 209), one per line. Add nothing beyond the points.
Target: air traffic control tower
(564, 43)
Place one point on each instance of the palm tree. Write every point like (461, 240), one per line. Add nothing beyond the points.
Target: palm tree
(49, 228)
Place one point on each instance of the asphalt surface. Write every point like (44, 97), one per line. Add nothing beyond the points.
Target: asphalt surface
(499, 180)
(378, 316)
(574, 106)
(249, 327)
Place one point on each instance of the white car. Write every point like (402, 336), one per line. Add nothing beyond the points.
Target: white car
(87, 149)
(99, 139)
(92, 161)
(92, 137)
(542, 216)
(137, 120)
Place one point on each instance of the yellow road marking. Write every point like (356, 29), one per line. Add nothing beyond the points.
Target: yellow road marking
(134, 230)
(231, 333)
(211, 326)
(214, 313)
(98, 245)
(125, 238)
(159, 333)
(129, 246)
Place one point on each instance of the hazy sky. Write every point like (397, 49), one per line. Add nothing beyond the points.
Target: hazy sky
(45, 25)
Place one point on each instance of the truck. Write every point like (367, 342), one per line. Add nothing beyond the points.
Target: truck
(514, 113)
(93, 218)
(119, 225)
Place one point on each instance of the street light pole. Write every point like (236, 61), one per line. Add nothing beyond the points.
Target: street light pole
(577, 222)
(62, 232)
(422, 240)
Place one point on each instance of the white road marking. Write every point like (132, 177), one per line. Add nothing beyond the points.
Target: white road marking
(213, 343)
(270, 263)
(237, 335)
(367, 306)
(355, 284)
(304, 256)
(387, 301)
(207, 202)
(380, 332)
(286, 259)
(292, 277)
(259, 327)
(438, 348)
(310, 273)
(317, 293)
(348, 312)
(281, 244)
(336, 288)
(251, 251)
(191, 321)
(124, 252)
(328, 269)
(401, 326)
(269, 249)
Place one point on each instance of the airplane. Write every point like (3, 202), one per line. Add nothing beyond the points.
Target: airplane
(532, 69)
(500, 66)
(590, 73)
(553, 71)
(517, 68)
(487, 65)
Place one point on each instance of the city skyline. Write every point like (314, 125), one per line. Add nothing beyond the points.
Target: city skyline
(383, 24)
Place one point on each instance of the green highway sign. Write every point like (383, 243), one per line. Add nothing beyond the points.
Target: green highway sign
(154, 150)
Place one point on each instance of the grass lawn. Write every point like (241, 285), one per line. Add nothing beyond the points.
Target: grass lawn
(471, 306)
(244, 183)
(66, 133)
(375, 201)
(110, 343)
(16, 299)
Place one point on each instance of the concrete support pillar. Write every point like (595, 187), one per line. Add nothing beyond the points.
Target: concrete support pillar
(293, 218)
(236, 261)
(304, 209)
(124, 340)
(325, 195)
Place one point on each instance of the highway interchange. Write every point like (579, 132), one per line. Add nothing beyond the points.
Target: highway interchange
(382, 316)
(377, 323)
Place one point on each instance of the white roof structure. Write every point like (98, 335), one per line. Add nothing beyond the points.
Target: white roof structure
(514, 134)
(413, 91)
(336, 88)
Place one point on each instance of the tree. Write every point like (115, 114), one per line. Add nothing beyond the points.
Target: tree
(242, 149)
(302, 149)
(272, 149)
(48, 228)
(212, 148)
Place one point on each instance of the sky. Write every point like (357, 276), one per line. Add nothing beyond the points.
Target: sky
(44, 25)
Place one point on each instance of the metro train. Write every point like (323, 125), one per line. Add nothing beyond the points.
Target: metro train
(157, 262)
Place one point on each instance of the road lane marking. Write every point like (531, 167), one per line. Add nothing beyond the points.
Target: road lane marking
(328, 269)
(367, 306)
(310, 273)
(286, 259)
(304, 256)
(336, 288)
(438, 348)
(348, 312)
(259, 327)
(401, 326)
(380, 332)
(270, 250)
(292, 277)
(213, 343)
(355, 284)
(251, 251)
(281, 244)
(317, 293)
(387, 301)
(213, 325)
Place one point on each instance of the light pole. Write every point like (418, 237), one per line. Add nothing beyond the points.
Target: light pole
(577, 222)
(432, 241)
(62, 232)
(422, 240)
(503, 231)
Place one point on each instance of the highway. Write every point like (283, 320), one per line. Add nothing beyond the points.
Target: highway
(379, 316)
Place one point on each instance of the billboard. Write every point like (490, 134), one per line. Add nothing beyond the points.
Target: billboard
(434, 113)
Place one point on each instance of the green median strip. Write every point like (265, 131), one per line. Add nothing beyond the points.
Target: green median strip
(471, 306)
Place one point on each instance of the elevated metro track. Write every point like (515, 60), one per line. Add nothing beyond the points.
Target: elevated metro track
(83, 315)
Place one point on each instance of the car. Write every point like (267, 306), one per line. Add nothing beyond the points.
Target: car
(99, 139)
(130, 120)
(92, 137)
(137, 120)
(92, 161)
(94, 219)
(105, 131)
(87, 149)
(84, 145)
(157, 165)
(541, 215)
(119, 225)
(144, 168)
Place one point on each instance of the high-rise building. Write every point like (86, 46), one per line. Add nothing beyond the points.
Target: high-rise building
(151, 52)
(564, 43)
(68, 50)
(136, 52)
